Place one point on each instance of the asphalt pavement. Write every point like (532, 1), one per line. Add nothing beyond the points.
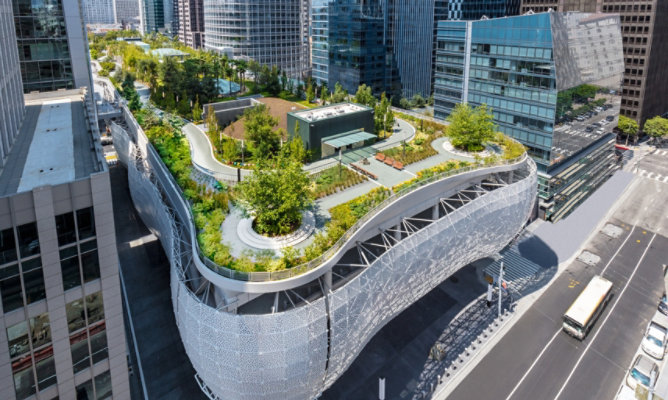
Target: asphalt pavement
(536, 360)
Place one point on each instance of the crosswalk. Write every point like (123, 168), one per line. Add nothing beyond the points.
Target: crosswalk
(651, 175)
(660, 152)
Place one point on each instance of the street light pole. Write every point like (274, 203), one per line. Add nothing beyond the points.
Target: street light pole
(500, 288)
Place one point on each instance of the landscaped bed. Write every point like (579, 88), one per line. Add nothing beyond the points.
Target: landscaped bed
(334, 179)
(420, 147)
(278, 108)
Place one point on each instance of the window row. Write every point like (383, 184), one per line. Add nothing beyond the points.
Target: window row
(21, 284)
(31, 353)
(26, 239)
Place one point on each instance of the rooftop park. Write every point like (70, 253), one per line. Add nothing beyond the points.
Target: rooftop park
(279, 190)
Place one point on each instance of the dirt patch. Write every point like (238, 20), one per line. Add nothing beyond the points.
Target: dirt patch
(277, 108)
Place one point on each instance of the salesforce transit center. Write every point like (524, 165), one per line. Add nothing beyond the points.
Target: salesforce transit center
(291, 334)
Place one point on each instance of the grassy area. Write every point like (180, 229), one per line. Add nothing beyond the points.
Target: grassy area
(330, 181)
(420, 147)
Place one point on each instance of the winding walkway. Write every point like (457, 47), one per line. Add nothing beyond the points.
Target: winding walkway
(203, 159)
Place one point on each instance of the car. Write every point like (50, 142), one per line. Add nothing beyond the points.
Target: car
(610, 118)
(580, 119)
(641, 372)
(656, 337)
(589, 129)
(596, 124)
(663, 305)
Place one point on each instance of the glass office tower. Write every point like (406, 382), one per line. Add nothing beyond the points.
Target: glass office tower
(271, 32)
(44, 51)
(319, 33)
(475, 9)
(553, 82)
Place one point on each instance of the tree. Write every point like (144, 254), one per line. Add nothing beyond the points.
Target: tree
(259, 127)
(418, 101)
(294, 148)
(364, 96)
(656, 127)
(276, 196)
(470, 128)
(310, 95)
(324, 94)
(197, 110)
(340, 95)
(627, 126)
(212, 123)
(230, 149)
(389, 120)
(404, 103)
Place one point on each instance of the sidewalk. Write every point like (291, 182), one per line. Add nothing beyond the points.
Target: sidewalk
(553, 247)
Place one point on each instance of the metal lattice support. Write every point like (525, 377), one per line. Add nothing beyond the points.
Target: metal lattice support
(292, 354)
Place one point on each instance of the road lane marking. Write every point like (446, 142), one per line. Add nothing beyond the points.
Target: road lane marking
(533, 364)
(600, 328)
(519, 383)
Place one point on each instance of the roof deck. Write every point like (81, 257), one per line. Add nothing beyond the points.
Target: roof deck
(335, 110)
(54, 145)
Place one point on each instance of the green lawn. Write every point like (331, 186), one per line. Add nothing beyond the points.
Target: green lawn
(329, 182)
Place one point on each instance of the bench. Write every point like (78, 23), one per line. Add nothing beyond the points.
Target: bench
(364, 171)
(398, 165)
(389, 161)
(380, 156)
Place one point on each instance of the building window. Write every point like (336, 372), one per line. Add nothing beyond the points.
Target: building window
(21, 278)
(7, 246)
(66, 229)
(31, 355)
(79, 260)
(96, 389)
(86, 325)
(28, 239)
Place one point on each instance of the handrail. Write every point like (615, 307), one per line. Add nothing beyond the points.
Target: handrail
(327, 254)
(307, 266)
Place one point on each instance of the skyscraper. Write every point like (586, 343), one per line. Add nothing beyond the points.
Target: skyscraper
(644, 34)
(126, 10)
(52, 43)
(158, 16)
(270, 32)
(61, 317)
(191, 22)
(475, 9)
(11, 91)
(99, 11)
(553, 82)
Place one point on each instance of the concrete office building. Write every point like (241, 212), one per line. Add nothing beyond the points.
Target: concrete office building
(271, 32)
(191, 22)
(645, 39)
(127, 11)
(99, 11)
(61, 320)
(553, 82)
(475, 9)
(11, 89)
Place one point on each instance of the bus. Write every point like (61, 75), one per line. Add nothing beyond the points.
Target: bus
(584, 311)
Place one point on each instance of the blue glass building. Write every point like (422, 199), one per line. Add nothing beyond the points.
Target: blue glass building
(385, 44)
(552, 81)
(476, 9)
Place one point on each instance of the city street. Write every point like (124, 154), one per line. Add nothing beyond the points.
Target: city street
(535, 359)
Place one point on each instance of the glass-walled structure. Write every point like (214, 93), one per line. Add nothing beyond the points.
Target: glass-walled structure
(268, 31)
(553, 82)
(319, 34)
(475, 9)
(44, 51)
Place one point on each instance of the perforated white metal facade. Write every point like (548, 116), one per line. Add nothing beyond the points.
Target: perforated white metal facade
(286, 355)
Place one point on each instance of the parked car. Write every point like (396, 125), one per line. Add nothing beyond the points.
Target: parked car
(596, 124)
(656, 337)
(610, 118)
(663, 305)
(589, 129)
(641, 371)
(581, 118)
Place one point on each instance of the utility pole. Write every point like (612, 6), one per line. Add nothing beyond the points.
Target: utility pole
(500, 287)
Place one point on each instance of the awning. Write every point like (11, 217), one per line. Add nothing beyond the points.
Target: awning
(345, 139)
